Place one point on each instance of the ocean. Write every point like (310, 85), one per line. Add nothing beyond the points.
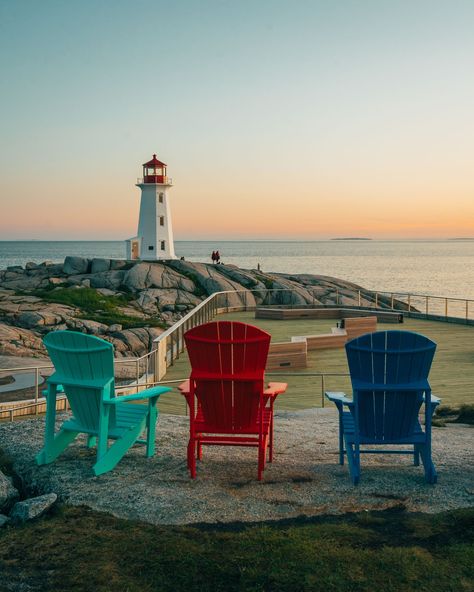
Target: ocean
(438, 268)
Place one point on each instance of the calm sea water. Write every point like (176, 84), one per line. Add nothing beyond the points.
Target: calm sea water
(444, 268)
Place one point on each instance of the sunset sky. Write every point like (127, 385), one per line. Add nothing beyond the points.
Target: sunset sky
(277, 119)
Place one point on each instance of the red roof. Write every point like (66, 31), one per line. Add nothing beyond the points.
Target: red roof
(154, 162)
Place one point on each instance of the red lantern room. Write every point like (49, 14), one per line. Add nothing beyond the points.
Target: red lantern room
(154, 171)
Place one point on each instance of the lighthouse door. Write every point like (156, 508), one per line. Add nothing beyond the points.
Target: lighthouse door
(135, 250)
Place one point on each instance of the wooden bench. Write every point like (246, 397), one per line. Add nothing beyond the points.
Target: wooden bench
(290, 354)
(355, 327)
(350, 328)
(282, 314)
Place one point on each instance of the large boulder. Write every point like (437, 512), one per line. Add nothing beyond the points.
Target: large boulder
(156, 275)
(75, 265)
(15, 341)
(107, 279)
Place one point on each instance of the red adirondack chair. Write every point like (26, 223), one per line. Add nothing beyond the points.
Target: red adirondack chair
(228, 402)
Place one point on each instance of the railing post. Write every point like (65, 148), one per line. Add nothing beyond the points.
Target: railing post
(137, 372)
(467, 311)
(359, 297)
(409, 302)
(322, 390)
(446, 308)
(337, 296)
(392, 301)
(376, 299)
(427, 305)
(36, 389)
(171, 349)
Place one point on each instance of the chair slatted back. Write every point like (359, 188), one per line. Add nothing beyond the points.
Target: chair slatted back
(228, 363)
(389, 358)
(79, 358)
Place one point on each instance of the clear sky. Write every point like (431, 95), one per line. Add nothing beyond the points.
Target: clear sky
(278, 119)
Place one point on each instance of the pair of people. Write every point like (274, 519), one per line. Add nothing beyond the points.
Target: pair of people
(216, 258)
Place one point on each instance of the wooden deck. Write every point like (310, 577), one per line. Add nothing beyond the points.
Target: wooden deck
(452, 375)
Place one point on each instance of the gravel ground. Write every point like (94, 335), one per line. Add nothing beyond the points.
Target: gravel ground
(304, 478)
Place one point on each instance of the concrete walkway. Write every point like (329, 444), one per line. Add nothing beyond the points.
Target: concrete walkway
(304, 478)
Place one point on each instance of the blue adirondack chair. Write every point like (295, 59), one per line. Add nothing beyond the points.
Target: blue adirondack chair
(389, 374)
(84, 370)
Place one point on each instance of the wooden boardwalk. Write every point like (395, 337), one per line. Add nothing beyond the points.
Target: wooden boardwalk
(452, 374)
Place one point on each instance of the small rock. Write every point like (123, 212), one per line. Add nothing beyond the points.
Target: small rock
(32, 508)
(114, 328)
(106, 292)
(31, 265)
(8, 493)
(55, 281)
(86, 283)
(3, 520)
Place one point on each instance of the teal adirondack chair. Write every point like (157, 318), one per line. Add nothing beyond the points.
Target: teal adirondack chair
(389, 374)
(84, 371)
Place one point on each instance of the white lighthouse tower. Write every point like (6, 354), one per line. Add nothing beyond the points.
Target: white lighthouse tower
(154, 238)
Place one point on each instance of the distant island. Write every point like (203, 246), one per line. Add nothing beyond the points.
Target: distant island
(352, 238)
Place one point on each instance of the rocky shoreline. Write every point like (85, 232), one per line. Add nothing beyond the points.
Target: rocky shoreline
(130, 303)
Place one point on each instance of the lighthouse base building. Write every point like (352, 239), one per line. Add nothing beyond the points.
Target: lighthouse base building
(154, 238)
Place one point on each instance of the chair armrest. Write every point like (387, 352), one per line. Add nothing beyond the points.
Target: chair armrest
(340, 398)
(435, 400)
(59, 389)
(150, 393)
(275, 388)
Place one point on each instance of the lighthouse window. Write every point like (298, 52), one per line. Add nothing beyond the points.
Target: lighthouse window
(162, 220)
(160, 198)
(162, 245)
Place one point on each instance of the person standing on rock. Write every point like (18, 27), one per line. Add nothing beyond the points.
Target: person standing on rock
(213, 256)
(218, 257)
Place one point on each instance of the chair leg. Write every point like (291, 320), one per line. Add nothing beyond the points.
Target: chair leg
(53, 449)
(151, 430)
(416, 455)
(341, 442)
(430, 471)
(198, 449)
(353, 462)
(261, 461)
(270, 444)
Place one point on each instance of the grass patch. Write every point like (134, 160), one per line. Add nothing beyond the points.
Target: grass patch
(75, 549)
(97, 307)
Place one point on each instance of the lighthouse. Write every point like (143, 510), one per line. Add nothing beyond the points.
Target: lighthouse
(154, 238)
